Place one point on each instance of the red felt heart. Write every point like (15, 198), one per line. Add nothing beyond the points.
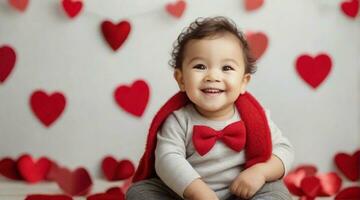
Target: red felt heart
(258, 43)
(32, 171)
(294, 178)
(20, 5)
(47, 197)
(253, 4)
(72, 7)
(114, 193)
(313, 70)
(350, 193)
(7, 62)
(8, 168)
(115, 35)
(349, 165)
(134, 98)
(176, 9)
(330, 184)
(114, 170)
(310, 186)
(47, 108)
(350, 8)
(74, 183)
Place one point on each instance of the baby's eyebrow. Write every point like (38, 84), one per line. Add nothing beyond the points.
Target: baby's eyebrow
(196, 58)
(231, 60)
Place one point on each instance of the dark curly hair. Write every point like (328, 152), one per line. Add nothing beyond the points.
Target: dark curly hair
(207, 27)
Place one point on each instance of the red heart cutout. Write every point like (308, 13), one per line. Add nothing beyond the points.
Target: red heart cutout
(7, 62)
(114, 170)
(32, 171)
(349, 165)
(134, 98)
(115, 35)
(114, 193)
(253, 4)
(330, 184)
(47, 197)
(349, 193)
(176, 9)
(258, 43)
(72, 7)
(47, 108)
(294, 178)
(310, 186)
(350, 8)
(20, 5)
(74, 183)
(313, 70)
(8, 168)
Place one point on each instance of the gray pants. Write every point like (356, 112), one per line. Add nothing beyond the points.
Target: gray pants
(155, 189)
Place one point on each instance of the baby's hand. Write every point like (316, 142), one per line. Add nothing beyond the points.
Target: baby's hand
(247, 183)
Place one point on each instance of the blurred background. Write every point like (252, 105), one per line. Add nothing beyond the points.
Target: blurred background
(67, 95)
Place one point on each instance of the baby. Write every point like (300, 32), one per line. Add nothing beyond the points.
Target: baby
(212, 140)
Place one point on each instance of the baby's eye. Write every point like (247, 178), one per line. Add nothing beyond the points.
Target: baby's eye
(227, 68)
(199, 66)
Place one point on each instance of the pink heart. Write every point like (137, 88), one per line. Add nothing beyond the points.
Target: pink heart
(350, 8)
(20, 5)
(134, 98)
(47, 108)
(176, 9)
(253, 4)
(72, 7)
(7, 62)
(313, 70)
(330, 183)
(115, 34)
(258, 43)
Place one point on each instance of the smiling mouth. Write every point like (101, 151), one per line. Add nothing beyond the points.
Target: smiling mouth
(212, 91)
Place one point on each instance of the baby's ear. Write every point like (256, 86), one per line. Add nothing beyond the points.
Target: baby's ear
(178, 75)
(245, 82)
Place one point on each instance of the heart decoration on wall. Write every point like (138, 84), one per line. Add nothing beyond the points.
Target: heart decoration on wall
(133, 99)
(350, 8)
(176, 9)
(19, 5)
(251, 5)
(32, 171)
(47, 108)
(7, 61)
(72, 7)
(115, 34)
(258, 43)
(349, 165)
(313, 70)
(114, 170)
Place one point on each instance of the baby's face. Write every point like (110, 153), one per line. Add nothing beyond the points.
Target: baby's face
(212, 74)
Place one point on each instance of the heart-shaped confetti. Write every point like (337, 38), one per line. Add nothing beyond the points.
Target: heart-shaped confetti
(8, 168)
(310, 186)
(47, 108)
(72, 7)
(19, 5)
(330, 183)
(294, 178)
(115, 34)
(114, 170)
(349, 165)
(350, 193)
(75, 183)
(48, 197)
(258, 43)
(134, 98)
(350, 8)
(33, 171)
(176, 9)
(313, 70)
(7, 61)
(251, 5)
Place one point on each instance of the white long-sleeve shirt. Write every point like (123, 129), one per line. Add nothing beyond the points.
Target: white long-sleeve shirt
(177, 163)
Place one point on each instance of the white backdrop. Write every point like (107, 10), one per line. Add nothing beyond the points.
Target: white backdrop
(55, 53)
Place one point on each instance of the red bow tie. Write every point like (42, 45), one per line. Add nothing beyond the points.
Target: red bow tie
(233, 135)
